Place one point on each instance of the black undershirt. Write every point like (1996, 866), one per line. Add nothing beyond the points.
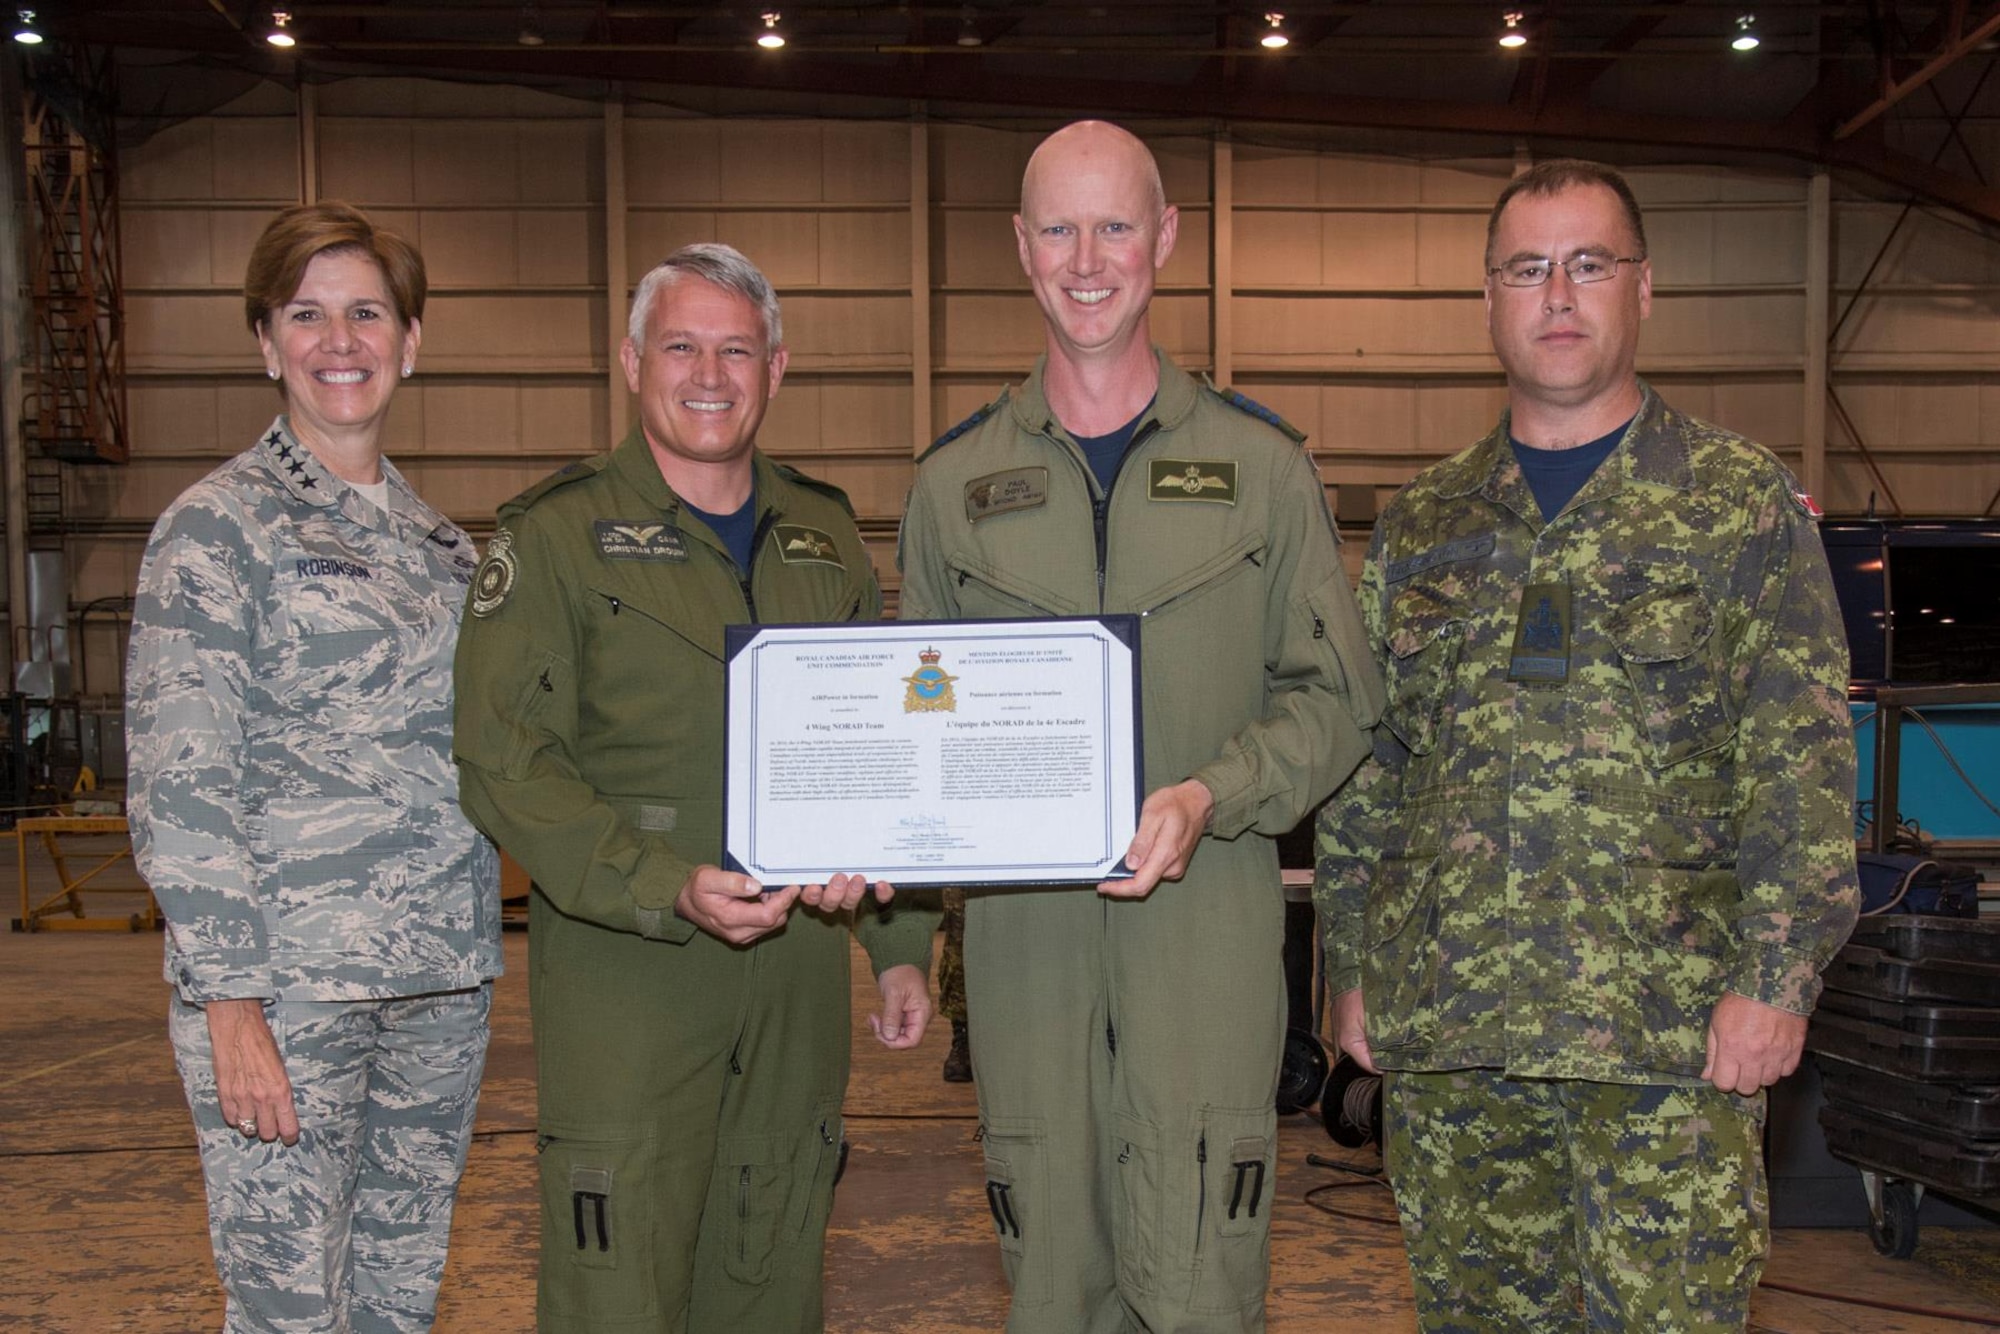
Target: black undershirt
(1556, 475)
(1102, 452)
(737, 530)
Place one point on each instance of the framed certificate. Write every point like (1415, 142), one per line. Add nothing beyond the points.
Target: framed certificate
(933, 752)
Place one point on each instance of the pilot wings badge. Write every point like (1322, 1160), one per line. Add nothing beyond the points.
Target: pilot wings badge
(929, 687)
(1184, 479)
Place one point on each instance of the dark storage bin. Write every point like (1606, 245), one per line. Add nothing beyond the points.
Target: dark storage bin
(1956, 1110)
(1931, 1021)
(1864, 971)
(1951, 1060)
(1924, 938)
(1967, 1168)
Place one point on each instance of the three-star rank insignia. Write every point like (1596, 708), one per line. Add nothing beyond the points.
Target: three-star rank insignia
(800, 545)
(1211, 480)
(929, 686)
(494, 579)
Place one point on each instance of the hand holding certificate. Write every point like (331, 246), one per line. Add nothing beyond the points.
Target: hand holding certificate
(933, 753)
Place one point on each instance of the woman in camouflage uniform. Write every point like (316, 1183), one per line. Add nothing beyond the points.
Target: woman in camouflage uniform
(333, 920)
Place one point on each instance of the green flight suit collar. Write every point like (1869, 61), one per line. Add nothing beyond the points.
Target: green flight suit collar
(633, 461)
(1172, 402)
(1653, 452)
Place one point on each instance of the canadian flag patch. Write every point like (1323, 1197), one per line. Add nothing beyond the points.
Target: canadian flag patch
(1807, 505)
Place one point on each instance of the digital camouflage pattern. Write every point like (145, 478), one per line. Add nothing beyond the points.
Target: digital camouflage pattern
(1559, 878)
(1127, 1051)
(1661, 1210)
(951, 959)
(345, 1230)
(288, 723)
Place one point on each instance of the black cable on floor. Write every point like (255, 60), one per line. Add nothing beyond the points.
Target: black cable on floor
(1360, 1178)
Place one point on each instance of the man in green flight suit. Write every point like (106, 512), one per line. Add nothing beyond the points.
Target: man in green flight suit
(1127, 1042)
(691, 1028)
(1578, 902)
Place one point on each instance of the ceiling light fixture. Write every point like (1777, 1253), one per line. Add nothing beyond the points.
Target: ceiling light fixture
(771, 39)
(968, 31)
(1513, 37)
(25, 31)
(1746, 33)
(1275, 39)
(531, 25)
(280, 34)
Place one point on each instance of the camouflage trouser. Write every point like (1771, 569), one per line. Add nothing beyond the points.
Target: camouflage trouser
(951, 959)
(346, 1229)
(1549, 1206)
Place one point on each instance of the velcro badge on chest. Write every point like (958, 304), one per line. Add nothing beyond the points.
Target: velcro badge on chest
(1541, 635)
(639, 539)
(799, 545)
(999, 492)
(494, 579)
(1212, 480)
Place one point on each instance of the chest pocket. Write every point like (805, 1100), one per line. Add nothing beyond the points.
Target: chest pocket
(336, 660)
(981, 591)
(1665, 637)
(1425, 637)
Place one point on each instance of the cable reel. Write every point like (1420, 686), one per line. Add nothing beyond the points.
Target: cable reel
(1302, 1074)
(1351, 1106)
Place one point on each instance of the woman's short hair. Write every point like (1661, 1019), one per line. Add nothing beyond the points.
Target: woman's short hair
(711, 261)
(278, 262)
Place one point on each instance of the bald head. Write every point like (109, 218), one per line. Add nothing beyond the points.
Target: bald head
(1095, 147)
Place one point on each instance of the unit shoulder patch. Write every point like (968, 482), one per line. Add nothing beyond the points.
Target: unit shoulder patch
(1000, 492)
(1209, 480)
(494, 579)
(955, 432)
(800, 545)
(1245, 404)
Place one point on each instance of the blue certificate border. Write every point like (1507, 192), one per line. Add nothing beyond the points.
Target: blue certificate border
(739, 639)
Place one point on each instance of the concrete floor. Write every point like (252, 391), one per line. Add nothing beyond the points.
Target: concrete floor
(103, 1226)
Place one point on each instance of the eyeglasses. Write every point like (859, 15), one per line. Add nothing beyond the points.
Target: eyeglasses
(1589, 267)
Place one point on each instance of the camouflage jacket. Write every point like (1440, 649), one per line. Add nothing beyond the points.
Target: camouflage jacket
(1256, 679)
(1616, 772)
(288, 722)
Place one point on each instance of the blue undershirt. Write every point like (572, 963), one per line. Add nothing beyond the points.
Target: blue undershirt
(1556, 475)
(737, 530)
(1102, 452)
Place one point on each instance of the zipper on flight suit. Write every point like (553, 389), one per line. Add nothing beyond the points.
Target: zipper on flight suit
(756, 545)
(1200, 1188)
(1100, 507)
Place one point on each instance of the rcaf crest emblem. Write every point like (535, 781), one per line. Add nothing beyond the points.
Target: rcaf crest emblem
(929, 687)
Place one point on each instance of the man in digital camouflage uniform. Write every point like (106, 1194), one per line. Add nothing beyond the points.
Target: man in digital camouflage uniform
(691, 1030)
(1127, 1041)
(1578, 903)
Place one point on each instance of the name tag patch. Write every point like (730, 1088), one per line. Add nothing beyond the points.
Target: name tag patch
(999, 492)
(1212, 480)
(328, 567)
(639, 539)
(1541, 635)
(799, 545)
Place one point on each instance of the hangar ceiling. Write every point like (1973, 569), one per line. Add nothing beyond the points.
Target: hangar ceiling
(1893, 96)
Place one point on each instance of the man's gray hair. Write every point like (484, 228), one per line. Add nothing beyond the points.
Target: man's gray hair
(711, 261)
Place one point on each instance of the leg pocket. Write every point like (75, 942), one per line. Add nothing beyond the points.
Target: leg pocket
(597, 1229)
(1017, 1198)
(817, 1161)
(1236, 1154)
(1140, 1204)
(752, 1188)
